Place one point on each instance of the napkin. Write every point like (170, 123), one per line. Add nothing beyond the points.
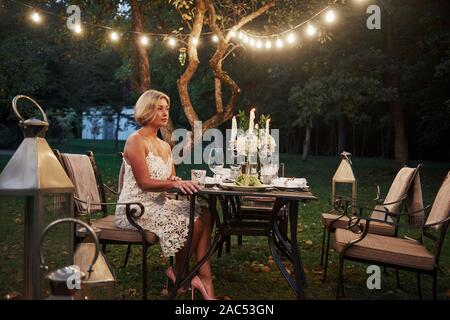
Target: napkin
(287, 183)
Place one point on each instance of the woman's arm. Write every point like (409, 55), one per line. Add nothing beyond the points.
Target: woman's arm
(135, 154)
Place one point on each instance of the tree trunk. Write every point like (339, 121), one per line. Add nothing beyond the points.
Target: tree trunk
(307, 141)
(140, 66)
(317, 142)
(392, 81)
(341, 133)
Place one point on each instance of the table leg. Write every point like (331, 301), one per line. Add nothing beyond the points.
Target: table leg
(296, 256)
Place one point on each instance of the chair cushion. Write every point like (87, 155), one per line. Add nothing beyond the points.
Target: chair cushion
(376, 248)
(109, 231)
(375, 227)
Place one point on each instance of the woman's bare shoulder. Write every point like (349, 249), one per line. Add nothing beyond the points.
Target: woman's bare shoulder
(135, 140)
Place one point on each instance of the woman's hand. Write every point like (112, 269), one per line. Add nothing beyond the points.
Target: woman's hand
(186, 187)
(175, 178)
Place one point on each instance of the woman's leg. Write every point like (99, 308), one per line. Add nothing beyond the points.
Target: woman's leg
(202, 248)
(195, 239)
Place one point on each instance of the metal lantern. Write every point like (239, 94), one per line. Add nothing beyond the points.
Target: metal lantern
(65, 282)
(35, 173)
(344, 174)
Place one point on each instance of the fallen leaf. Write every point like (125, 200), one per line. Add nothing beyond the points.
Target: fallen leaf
(18, 221)
(164, 292)
(12, 295)
(132, 292)
(265, 269)
(308, 244)
(255, 268)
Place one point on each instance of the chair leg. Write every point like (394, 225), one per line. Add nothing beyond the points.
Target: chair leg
(239, 240)
(326, 256)
(397, 275)
(340, 284)
(144, 272)
(435, 286)
(419, 287)
(323, 246)
(220, 247)
(228, 244)
(127, 254)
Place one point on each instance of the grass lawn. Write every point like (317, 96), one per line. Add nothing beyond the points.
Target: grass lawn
(234, 274)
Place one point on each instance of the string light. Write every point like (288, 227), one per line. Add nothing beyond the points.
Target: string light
(144, 40)
(77, 29)
(278, 40)
(291, 38)
(330, 16)
(279, 43)
(311, 30)
(114, 36)
(172, 42)
(35, 17)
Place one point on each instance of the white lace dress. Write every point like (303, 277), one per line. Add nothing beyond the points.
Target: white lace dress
(167, 218)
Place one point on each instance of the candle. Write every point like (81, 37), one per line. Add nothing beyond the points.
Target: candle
(252, 121)
(266, 138)
(233, 131)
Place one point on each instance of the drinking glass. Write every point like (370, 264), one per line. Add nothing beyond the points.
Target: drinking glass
(216, 162)
(198, 176)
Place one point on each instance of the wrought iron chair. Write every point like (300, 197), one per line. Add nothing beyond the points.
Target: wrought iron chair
(381, 224)
(90, 198)
(254, 211)
(355, 243)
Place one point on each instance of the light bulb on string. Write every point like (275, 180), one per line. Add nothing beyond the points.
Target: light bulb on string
(114, 36)
(241, 35)
(330, 16)
(77, 29)
(195, 41)
(279, 43)
(172, 42)
(259, 44)
(268, 44)
(144, 40)
(252, 42)
(233, 34)
(311, 30)
(36, 17)
(246, 39)
(290, 38)
(215, 38)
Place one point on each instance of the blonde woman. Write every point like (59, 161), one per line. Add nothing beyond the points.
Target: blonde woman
(149, 173)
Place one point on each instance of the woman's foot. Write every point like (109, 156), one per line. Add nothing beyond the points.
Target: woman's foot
(197, 284)
(171, 275)
(207, 283)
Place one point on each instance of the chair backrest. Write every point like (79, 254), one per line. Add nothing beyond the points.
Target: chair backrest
(399, 189)
(81, 172)
(441, 206)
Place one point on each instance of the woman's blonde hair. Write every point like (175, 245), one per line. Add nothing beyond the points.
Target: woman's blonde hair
(146, 106)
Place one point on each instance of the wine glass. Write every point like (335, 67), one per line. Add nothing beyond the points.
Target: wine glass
(216, 161)
(235, 167)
